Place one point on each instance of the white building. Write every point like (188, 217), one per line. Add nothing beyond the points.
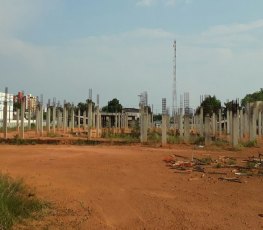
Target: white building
(10, 108)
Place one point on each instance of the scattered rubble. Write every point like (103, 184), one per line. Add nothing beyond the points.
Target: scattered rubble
(252, 166)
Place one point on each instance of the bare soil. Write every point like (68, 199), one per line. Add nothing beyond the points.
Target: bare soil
(130, 187)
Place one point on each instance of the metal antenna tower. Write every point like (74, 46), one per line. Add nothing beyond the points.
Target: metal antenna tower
(174, 110)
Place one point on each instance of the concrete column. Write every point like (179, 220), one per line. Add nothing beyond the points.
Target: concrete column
(260, 124)
(41, 120)
(220, 122)
(98, 121)
(246, 123)
(22, 128)
(214, 124)
(5, 116)
(65, 120)
(141, 123)
(84, 120)
(207, 130)
(126, 121)
(186, 129)
(116, 121)
(164, 129)
(145, 125)
(29, 117)
(241, 124)
(119, 120)
(90, 114)
(17, 119)
(252, 125)
(228, 122)
(72, 119)
(60, 123)
(37, 121)
(79, 119)
(54, 119)
(201, 124)
(181, 125)
(48, 120)
(234, 130)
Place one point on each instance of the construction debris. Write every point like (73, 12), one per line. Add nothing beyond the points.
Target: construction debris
(230, 179)
(252, 166)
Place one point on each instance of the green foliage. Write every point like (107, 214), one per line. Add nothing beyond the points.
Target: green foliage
(157, 117)
(82, 106)
(210, 105)
(256, 96)
(172, 139)
(16, 202)
(199, 140)
(154, 136)
(113, 106)
(249, 144)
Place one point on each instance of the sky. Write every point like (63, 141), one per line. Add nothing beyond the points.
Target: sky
(121, 48)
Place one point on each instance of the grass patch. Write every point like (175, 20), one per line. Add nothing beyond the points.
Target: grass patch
(249, 144)
(16, 202)
(174, 140)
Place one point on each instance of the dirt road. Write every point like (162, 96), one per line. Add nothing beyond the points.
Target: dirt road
(129, 187)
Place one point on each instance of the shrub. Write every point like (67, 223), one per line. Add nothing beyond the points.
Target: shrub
(16, 202)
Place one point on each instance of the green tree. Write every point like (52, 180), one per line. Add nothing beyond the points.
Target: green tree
(113, 106)
(210, 105)
(256, 96)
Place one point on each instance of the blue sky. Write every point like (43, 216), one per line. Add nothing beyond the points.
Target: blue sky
(120, 48)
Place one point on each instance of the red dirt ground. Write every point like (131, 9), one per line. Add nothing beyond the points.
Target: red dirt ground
(130, 187)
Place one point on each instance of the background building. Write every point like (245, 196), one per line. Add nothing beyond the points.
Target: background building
(10, 107)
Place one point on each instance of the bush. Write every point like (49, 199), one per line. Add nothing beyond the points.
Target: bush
(16, 202)
(249, 144)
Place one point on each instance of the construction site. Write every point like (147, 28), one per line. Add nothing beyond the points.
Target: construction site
(122, 168)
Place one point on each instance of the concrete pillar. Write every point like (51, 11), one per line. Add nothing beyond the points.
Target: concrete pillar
(79, 119)
(145, 125)
(116, 121)
(48, 120)
(141, 123)
(41, 120)
(59, 123)
(120, 115)
(181, 125)
(17, 119)
(126, 121)
(234, 130)
(214, 124)
(84, 120)
(228, 122)
(252, 124)
(201, 124)
(98, 121)
(5, 116)
(164, 129)
(207, 130)
(72, 119)
(90, 114)
(186, 129)
(54, 119)
(260, 124)
(220, 122)
(29, 116)
(246, 123)
(37, 121)
(65, 119)
(22, 128)
(241, 124)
